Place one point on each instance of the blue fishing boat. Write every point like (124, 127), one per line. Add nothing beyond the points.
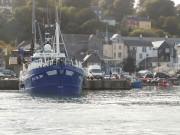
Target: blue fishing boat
(135, 82)
(50, 70)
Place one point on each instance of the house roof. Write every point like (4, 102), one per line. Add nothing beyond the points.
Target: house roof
(116, 36)
(157, 44)
(137, 43)
(172, 41)
(137, 18)
(26, 45)
(93, 57)
(108, 18)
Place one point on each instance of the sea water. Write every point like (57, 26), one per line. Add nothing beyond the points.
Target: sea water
(146, 111)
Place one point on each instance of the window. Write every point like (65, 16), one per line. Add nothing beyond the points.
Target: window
(114, 55)
(119, 47)
(114, 47)
(140, 56)
(167, 50)
(143, 49)
(149, 48)
(96, 51)
(119, 54)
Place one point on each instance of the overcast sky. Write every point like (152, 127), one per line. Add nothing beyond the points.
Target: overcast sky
(175, 1)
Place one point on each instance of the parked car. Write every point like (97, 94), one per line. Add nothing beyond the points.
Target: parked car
(1, 75)
(142, 73)
(9, 74)
(107, 77)
(161, 75)
(156, 81)
(1, 69)
(149, 75)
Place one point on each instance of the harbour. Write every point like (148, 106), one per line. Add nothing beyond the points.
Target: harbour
(149, 110)
(89, 67)
(13, 84)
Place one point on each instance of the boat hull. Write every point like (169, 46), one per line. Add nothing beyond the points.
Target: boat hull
(165, 85)
(56, 80)
(136, 84)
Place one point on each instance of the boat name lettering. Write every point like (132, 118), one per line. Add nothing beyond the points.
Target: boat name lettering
(37, 77)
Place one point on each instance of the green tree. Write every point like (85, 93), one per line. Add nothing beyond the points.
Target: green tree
(94, 2)
(144, 32)
(91, 26)
(171, 25)
(162, 33)
(117, 8)
(178, 11)
(160, 22)
(76, 3)
(122, 8)
(84, 15)
(156, 8)
(3, 22)
(72, 28)
(18, 3)
(140, 5)
(129, 65)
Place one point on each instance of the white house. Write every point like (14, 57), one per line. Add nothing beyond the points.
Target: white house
(139, 50)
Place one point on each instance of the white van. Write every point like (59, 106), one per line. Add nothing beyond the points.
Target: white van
(95, 72)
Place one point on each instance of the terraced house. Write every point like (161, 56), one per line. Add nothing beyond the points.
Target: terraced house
(137, 22)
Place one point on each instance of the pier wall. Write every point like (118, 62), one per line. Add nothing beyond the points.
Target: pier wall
(9, 84)
(107, 85)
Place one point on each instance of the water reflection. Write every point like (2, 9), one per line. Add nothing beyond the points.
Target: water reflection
(150, 110)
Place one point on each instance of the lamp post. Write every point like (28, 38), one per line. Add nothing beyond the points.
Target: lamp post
(158, 51)
(145, 61)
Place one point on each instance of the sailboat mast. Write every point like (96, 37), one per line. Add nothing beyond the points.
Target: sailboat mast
(57, 29)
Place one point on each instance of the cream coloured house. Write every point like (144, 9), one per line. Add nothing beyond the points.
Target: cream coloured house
(116, 52)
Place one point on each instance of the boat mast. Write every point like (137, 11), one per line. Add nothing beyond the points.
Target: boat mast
(33, 23)
(57, 29)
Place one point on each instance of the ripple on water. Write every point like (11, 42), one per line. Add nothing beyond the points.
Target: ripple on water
(150, 110)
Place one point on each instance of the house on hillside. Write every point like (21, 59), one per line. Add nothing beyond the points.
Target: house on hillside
(137, 22)
(99, 11)
(5, 5)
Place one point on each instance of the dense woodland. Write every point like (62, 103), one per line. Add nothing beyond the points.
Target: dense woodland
(77, 17)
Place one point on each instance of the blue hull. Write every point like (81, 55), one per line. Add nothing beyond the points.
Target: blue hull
(136, 84)
(54, 80)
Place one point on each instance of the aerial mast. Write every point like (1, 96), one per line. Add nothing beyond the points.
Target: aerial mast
(57, 29)
(33, 27)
